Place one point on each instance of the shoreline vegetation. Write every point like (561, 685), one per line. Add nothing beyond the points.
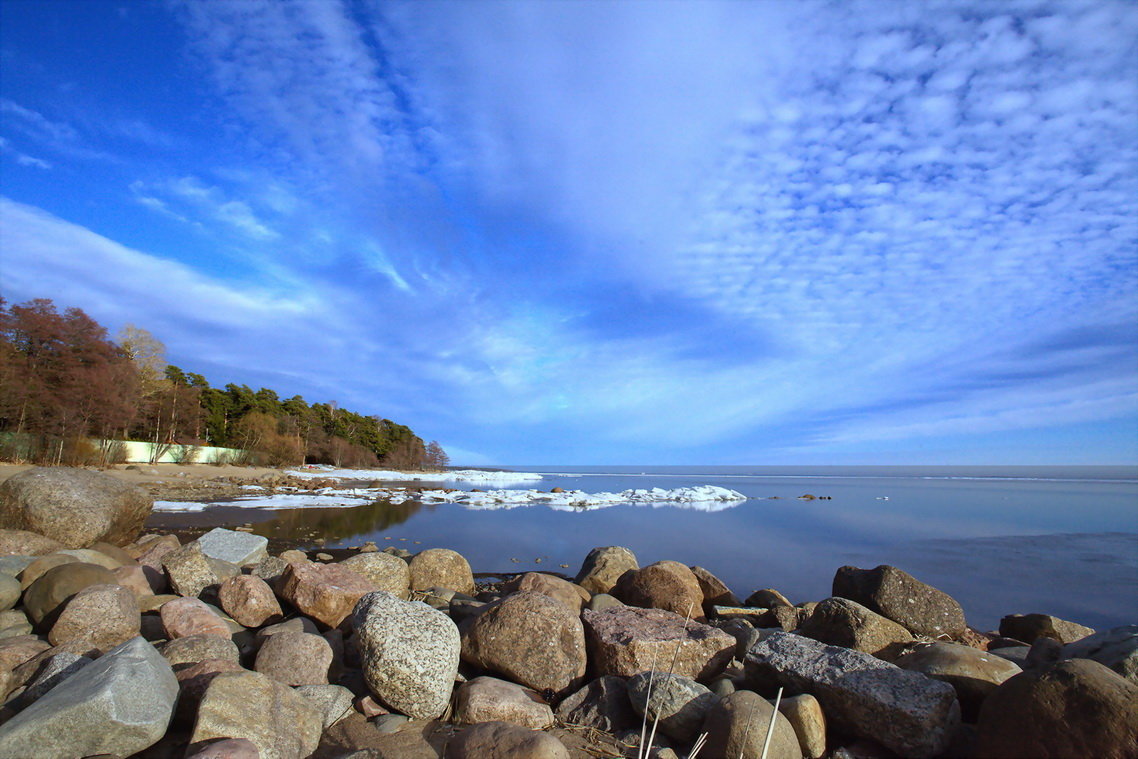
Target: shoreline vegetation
(223, 645)
(71, 395)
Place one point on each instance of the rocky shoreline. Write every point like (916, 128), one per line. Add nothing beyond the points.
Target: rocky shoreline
(117, 643)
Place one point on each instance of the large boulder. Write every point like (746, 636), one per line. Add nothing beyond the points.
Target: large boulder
(488, 699)
(1073, 708)
(973, 673)
(904, 711)
(45, 598)
(120, 704)
(846, 623)
(24, 543)
(193, 681)
(280, 722)
(104, 616)
(188, 570)
(325, 592)
(601, 704)
(385, 571)
(76, 507)
(737, 727)
(896, 594)
(1116, 648)
(409, 653)
(604, 566)
(664, 585)
(625, 640)
(1031, 627)
(501, 740)
(441, 568)
(531, 639)
(676, 703)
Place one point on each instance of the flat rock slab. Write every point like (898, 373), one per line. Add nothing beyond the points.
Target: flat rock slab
(907, 712)
(897, 595)
(240, 548)
(119, 704)
(488, 699)
(626, 640)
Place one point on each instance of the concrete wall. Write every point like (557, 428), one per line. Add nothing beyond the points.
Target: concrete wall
(137, 453)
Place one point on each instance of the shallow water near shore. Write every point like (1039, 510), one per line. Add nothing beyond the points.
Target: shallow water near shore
(1001, 540)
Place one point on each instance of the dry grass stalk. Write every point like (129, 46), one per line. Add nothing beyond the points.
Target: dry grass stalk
(648, 703)
(700, 742)
(770, 727)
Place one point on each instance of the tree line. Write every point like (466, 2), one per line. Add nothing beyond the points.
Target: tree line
(69, 393)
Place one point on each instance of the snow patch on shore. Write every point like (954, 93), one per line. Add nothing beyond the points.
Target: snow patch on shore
(325, 499)
(457, 475)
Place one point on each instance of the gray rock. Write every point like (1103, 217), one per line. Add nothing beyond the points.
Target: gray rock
(270, 569)
(76, 507)
(333, 701)
(240, 548)
(624, 641)
(601, 704)
(386, 724)
(409, 653)
(904, 711)
(896, 594)
(1116, 648)
(1015, 654)
(603, 601)
(24, 543)
(679, 703)
(737, 727)
(13, 565)
(56, 669)
(846, 623)
(10, 591)
(280, 722)
(119, 704)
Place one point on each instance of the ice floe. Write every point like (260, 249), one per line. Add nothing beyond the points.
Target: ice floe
(701, 498)
(455, 475)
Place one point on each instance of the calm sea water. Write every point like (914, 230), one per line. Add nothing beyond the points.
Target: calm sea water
(1058, 540)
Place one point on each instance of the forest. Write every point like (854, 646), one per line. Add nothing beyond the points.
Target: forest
(69, 393)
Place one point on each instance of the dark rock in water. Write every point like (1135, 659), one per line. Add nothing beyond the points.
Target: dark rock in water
(1030, 627)
(119, 704)
(76, 507)
(846, 623)
(500, 739)
(601, 704)
(1116, 648)
(737, 726)
(974, 674)
(604, 566)
(899, 596)
(904, 711)
(1076, 708)
(679, 703)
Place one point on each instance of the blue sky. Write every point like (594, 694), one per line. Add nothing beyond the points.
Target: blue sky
(565, 232)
